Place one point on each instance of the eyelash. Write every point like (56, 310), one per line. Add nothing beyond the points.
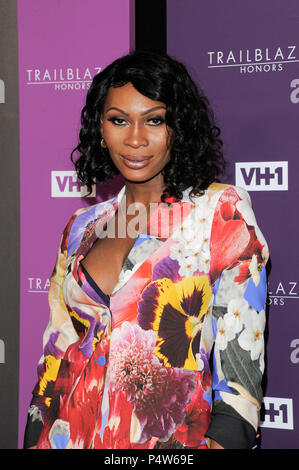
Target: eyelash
(156, 118)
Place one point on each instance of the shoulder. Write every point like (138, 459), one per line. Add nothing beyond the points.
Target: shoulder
(218, 194)
(229, 201)
(216, 191)
(233, 212)
(227, 192)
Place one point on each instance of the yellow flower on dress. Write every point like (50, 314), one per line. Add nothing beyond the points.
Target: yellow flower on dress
(175, 311)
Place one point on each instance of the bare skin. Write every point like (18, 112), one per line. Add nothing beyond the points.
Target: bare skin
(215, 445)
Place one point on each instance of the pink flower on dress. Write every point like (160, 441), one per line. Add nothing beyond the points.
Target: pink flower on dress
(159, 394)
(233, 240)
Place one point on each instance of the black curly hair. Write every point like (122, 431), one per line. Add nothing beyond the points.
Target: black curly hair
(196, 157)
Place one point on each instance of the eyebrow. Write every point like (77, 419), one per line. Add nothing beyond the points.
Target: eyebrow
(143, 114)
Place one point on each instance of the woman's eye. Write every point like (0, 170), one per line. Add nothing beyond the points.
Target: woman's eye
(155, 121)
(117, 121)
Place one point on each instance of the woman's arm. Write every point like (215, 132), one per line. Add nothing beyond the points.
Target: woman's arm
(59, 334)
(215, 445)
(238, 257)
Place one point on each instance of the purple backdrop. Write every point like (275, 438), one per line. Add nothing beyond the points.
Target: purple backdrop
(62, 45)
(245, 56)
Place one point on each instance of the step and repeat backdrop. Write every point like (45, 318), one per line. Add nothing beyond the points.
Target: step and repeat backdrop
(62, 45)
(246, 59)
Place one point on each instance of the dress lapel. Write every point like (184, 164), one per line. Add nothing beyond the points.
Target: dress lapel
(164, 220)
(104, 212)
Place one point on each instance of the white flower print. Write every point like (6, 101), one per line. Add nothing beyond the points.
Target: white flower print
(178, 251)
(192, 250)
(224, 334)
(185, 232)
(252, 338)
(191, 256)
(187, 266)
(254, 269)
(237, 310)
(204, 260)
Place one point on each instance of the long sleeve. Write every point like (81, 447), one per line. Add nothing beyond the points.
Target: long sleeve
(238, 257)
(59, 334)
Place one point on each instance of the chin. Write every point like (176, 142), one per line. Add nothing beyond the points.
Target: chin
(134, 178)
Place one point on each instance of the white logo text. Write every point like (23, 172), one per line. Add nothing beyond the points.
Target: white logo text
(294, 97)
(66, 184)
(262, 176)
(278, 413)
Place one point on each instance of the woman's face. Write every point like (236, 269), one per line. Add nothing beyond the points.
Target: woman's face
(134, 130)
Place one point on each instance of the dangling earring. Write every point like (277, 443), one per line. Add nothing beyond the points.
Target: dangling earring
(103, 144)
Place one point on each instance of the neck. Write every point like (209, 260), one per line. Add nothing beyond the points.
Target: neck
(144, 193)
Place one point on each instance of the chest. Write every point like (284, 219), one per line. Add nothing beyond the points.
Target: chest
(111, 249)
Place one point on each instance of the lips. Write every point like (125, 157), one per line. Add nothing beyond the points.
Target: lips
(134, 158)
(136, 162)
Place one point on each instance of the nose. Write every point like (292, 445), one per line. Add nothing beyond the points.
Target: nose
(136, 136)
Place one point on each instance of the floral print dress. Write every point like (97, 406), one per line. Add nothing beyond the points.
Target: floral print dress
(175, 356)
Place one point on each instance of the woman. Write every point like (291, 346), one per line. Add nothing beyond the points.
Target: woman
(157, 298)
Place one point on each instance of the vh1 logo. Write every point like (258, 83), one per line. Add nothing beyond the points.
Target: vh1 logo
(277, 413)
(66, 184)
(262, 176)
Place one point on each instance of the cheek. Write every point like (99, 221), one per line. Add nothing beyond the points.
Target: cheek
(160, 142)
(113, 141)
(110, 135)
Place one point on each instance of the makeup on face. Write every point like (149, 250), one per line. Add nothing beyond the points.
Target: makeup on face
(134, 129)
